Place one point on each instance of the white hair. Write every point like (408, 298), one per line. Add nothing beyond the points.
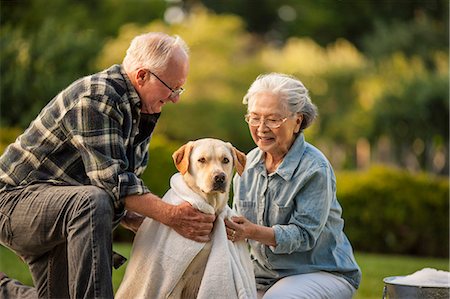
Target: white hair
(152, 51)
(290, 90)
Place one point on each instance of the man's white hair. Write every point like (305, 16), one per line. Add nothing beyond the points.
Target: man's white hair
(152, 51)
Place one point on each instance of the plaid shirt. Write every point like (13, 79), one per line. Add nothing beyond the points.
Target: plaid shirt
(84, 136)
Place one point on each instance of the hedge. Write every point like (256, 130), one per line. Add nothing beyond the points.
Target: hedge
(387, 210)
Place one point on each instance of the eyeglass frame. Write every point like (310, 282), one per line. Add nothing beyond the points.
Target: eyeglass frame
(282, 121)
(175, 92)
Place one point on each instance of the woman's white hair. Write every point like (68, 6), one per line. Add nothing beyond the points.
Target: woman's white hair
(152, 51)
(290, 90)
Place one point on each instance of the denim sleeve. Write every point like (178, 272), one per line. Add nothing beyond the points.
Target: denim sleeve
(97, 131)
(313, 202)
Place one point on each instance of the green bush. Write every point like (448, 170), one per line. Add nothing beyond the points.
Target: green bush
(160, 166)
(392, 211)
(7, 136)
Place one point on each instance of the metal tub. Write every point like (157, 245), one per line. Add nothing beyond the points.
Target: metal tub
(394, 290)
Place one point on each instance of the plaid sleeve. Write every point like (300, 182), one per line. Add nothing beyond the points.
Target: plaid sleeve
(99, 129)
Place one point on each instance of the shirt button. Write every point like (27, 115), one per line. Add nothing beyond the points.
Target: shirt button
(134, 121)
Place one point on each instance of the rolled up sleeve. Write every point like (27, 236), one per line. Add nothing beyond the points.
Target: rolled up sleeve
(129, 184)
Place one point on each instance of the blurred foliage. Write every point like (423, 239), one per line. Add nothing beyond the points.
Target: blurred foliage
(161, 166)
(402, 213)
(326, 20)
(427, 36)
(375, 71)
(44, 46)
(7, 136)
(34, 68)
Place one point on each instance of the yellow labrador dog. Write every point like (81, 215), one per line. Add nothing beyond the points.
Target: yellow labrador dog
(165, 265)
(207, 168)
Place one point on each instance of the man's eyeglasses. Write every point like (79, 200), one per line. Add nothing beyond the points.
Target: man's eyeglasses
(175, 92)
(272, 123)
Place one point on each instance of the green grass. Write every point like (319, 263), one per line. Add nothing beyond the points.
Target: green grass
(375, 267)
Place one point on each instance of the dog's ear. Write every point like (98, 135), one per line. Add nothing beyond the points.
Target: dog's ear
(239, 159)
(181, 157)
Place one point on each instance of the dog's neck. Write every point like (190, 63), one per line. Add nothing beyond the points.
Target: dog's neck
(217, 200)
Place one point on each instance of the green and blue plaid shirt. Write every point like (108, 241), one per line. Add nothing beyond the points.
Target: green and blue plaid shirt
(85, 136)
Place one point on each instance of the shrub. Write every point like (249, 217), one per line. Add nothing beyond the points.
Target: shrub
(392, 211)
(7, 136)
(160, 165)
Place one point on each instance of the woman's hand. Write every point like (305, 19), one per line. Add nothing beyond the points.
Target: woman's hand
(240, 228)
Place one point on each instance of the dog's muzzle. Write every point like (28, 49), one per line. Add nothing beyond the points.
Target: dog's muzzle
(220, 182)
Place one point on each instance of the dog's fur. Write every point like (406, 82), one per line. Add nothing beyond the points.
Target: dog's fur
(207, 168)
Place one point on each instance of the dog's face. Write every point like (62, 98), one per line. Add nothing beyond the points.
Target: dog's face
(207, 164)
(211, 165)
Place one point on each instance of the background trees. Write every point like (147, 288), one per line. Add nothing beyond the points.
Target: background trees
(377, 71)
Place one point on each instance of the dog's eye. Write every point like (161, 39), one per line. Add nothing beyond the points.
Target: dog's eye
(225, 160)
(202, 160)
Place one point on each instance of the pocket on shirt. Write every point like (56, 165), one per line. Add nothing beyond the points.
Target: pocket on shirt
(279, 214)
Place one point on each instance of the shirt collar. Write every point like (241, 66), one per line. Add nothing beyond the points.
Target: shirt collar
(290, 162)
(133, 95)
(292, 159)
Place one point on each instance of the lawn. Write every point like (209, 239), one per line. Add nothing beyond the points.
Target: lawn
(374, 267)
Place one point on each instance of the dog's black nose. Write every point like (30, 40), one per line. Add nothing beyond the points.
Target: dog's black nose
(219, 178)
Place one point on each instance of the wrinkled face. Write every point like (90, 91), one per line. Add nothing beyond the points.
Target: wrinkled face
(153, 93)
(276, 141)
(211, 165)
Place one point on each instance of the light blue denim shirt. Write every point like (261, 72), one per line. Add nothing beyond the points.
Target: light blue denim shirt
(299, 202)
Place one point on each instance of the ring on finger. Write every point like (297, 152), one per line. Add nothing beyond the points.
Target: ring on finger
(233, 234)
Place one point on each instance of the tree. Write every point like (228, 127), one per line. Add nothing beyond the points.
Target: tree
(45, 46)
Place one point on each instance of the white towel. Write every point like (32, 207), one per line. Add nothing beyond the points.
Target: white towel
(160, 256)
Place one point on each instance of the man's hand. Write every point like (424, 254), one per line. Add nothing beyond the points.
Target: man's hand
(183, 218)
(191, 223)
(132, 221)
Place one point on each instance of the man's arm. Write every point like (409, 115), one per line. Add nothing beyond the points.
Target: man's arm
(184, 219)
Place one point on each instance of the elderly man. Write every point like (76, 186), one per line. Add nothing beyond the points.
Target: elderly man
(69, 178)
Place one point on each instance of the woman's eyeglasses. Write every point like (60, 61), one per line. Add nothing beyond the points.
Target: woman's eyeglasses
(272, 123)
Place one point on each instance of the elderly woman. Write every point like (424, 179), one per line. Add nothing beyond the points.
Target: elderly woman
(287, 199)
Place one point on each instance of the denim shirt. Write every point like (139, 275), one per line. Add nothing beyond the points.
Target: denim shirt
(299, 202)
